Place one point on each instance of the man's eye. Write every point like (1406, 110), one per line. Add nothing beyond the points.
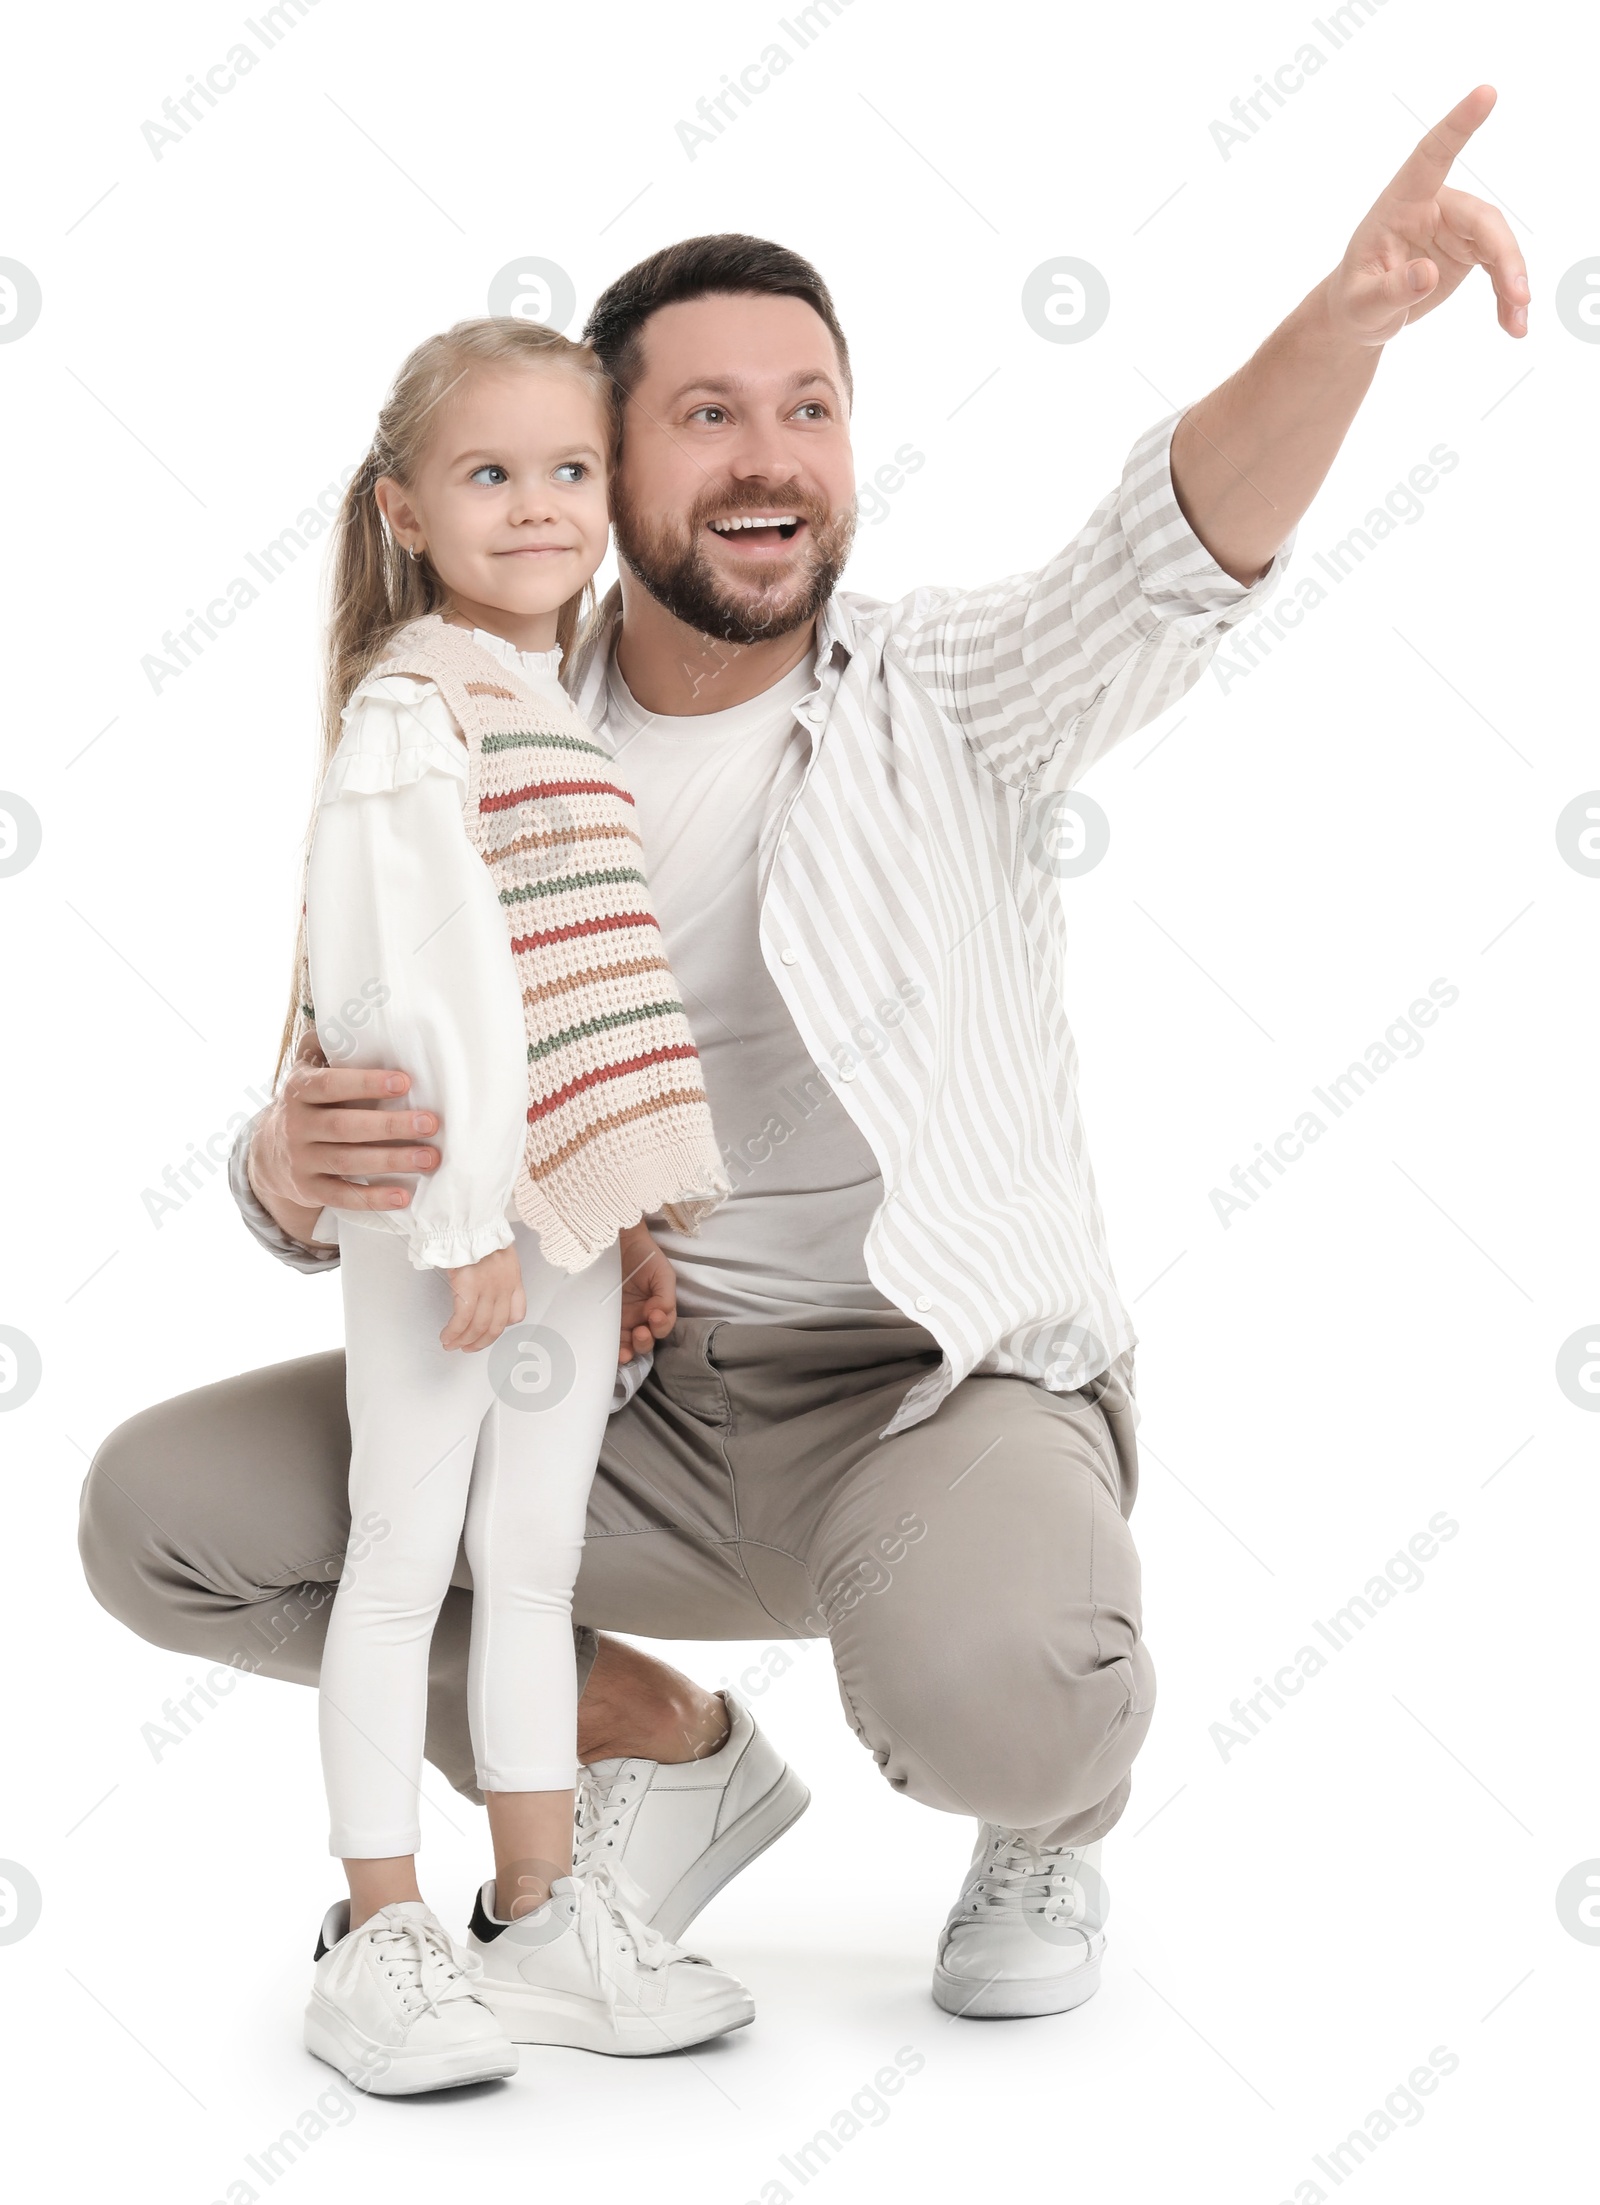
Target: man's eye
(490, 473)
(815, 408)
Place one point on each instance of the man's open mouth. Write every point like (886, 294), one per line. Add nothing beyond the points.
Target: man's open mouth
(757, 529)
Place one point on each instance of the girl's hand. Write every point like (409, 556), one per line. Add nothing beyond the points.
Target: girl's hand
(488, 1296)
(649, 1294)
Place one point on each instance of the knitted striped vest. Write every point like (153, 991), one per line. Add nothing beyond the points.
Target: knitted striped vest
(618, 1121)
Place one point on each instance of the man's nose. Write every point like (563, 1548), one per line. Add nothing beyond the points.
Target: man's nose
(760, 455)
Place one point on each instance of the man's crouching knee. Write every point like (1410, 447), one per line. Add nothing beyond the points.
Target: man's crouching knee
(1064, 1749)
(115, 1529)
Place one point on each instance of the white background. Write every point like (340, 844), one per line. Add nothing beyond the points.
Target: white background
(1294, 1928)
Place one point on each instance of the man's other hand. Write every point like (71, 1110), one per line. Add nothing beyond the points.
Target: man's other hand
(328, 1125)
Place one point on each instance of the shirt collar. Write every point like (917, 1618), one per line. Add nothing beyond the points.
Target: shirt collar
(547, 663)
(836, 633)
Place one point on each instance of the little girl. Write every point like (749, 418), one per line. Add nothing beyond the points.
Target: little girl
(476, 911)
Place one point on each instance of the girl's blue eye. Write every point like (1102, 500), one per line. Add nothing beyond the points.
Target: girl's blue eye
(571, 470)
(478, 473)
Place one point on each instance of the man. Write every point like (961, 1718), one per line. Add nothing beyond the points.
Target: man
(896, 1403)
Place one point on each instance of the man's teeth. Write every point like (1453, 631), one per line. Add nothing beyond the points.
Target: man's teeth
(756, 520)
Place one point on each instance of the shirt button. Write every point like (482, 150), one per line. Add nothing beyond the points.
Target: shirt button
(847, 1071)
(789, 957)
(924, 1301)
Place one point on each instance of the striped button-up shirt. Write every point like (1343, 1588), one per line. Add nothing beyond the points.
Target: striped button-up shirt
(912, 920)
(911, 915)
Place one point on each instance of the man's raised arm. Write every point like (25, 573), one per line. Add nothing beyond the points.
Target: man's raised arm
(1248, 460)
(1045, 672)
(326, 1126)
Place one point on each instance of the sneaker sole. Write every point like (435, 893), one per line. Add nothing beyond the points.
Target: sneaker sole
(385, 2073)
(1015, 1998)
(725, 1857)
(530, 2016)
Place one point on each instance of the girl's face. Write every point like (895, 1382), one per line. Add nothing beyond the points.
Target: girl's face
(509, 500)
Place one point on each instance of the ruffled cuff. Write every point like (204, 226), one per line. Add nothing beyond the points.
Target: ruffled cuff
(448, 1247)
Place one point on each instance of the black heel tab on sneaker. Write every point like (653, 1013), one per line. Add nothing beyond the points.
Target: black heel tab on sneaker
(483, 1925)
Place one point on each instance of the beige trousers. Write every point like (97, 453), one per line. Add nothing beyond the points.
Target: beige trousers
(975, 1574)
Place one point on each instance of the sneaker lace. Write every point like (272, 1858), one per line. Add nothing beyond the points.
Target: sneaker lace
(615, 1941)
(1020, 1876)
(598, 1816)
(425, 1968)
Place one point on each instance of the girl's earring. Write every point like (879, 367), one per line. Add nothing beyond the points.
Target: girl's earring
(413, 552)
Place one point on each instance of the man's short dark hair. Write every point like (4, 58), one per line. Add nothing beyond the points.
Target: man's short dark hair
(698, 268)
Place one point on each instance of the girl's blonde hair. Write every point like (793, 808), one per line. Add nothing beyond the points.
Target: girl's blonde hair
(375, 588)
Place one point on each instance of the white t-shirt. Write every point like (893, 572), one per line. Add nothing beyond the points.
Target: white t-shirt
(805, 1183)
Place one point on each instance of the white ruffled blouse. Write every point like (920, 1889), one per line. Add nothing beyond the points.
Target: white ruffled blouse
(410, 956)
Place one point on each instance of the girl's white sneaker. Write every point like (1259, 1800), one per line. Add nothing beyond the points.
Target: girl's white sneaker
(393, 2005)
(584, 1969)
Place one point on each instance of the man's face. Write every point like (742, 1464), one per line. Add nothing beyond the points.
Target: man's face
(738, 416)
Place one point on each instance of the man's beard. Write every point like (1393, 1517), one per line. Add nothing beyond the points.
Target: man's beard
(675, 567)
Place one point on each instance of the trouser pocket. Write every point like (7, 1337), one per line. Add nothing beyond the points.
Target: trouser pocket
(686, 1374)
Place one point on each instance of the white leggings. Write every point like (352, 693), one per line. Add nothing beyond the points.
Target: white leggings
(506, 1441)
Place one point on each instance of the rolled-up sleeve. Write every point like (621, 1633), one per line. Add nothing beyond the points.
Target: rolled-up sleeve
(259, 1221)
(411, 965)
(1044, 672)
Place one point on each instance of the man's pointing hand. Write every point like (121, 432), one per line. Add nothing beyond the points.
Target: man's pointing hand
(1422, 239)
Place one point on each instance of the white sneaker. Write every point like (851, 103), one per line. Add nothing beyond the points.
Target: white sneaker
(1026, 1934)
(393, 2005)
(674, 1832)
(584, 1970)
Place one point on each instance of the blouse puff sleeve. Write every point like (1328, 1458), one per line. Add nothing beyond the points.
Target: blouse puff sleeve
(411, 965)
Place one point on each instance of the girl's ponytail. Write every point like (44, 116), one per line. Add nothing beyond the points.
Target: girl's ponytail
(374, 588)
